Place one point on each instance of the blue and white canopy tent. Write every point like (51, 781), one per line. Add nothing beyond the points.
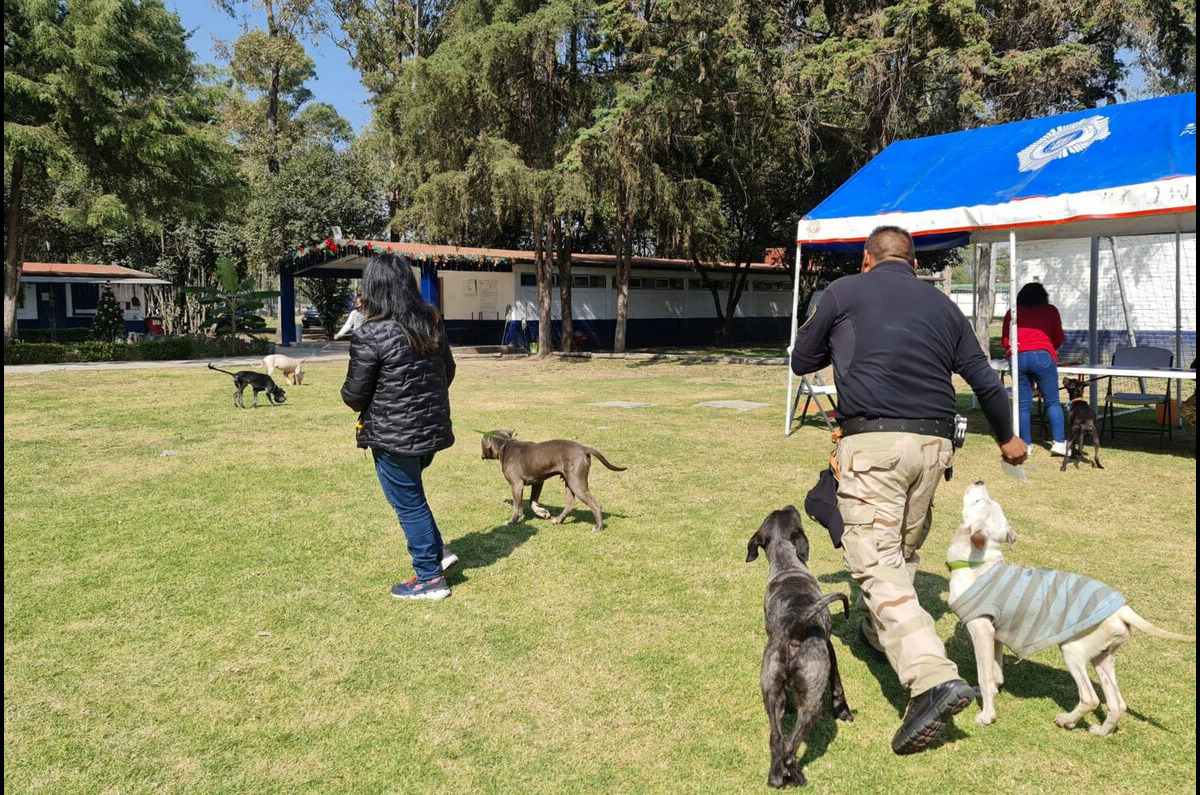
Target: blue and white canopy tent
(1127, 169)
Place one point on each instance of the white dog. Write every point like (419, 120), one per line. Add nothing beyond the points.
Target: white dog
(1032, 609)
(292, 368)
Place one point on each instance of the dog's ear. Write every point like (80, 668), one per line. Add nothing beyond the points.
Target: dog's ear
(752, 547)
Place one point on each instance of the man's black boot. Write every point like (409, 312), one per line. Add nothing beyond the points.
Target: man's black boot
(927, 714)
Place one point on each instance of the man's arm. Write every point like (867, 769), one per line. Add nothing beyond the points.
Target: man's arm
(812, 351)
(971, 363)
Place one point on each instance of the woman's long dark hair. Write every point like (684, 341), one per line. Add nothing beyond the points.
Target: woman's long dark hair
(389, 292)
(1032, 294)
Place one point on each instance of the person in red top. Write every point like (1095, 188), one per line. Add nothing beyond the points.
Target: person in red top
(1039, 336)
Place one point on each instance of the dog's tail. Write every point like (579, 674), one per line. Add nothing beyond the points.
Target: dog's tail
(219, 370)
(605, 461)
(1132, 619)
(823, 604)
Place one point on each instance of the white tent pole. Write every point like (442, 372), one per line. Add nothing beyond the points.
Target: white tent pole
(1093, 313)
(789, 405)
(1012, 329)
(1178, 326)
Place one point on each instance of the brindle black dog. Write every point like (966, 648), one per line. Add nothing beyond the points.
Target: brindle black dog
(534, 462)
(1081, 423)
(799, 660)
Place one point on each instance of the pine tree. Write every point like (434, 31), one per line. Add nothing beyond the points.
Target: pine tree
(110, 323)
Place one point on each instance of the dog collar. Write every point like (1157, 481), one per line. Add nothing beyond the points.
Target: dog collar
(955, 565)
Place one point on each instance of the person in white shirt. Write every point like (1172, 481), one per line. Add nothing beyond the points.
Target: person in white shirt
(355, 319)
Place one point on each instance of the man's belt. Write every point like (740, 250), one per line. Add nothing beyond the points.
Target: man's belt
(942, 428)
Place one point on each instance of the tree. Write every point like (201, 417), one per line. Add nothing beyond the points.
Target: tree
(273, 62)
(101, 104)
(329, 296)
(232, 293)
(109, 323)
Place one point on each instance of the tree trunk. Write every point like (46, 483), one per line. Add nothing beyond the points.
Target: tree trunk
(273, 100)
(624, 235)
(543, 289)
(985, 295)
(561, 248)
(736, 287)
(12, 252)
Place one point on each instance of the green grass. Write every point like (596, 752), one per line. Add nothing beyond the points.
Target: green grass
(219, 621)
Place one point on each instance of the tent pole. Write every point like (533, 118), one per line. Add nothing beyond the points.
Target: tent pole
(789, 405)
(1093, 311)
(1012, 329)
(1178, 327)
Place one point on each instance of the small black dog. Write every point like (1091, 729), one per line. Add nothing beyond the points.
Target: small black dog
(1081, 423)
(259, 382)
(798, 660)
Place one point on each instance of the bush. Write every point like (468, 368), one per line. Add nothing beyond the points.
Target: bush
(55, 335)
(156, 349)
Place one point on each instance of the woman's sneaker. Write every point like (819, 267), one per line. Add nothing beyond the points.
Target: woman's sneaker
(414, 588)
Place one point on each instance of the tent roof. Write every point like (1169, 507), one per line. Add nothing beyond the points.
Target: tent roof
(1122, 169)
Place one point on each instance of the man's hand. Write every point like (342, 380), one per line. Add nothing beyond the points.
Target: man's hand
(1014, 451)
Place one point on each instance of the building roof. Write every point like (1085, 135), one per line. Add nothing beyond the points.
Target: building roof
(350, 254)
(85, 270)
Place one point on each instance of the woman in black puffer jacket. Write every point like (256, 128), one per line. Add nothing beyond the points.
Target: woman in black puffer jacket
(399, 381)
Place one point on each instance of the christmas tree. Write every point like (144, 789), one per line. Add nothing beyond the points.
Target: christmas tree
(109, 324)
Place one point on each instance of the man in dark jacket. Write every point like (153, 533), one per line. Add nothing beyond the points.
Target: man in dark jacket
(895, 343)
(398, 381)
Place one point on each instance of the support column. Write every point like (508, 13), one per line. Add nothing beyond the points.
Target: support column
(287, 307)
(1012, 329)
(789, 405)
(1093, 312)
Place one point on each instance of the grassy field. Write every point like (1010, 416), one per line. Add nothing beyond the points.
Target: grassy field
(218, 620)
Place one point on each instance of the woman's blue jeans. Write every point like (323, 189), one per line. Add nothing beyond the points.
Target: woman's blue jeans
(1039, 367)
(400, 477)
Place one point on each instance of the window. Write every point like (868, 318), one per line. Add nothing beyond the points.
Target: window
(770, 286)
(634, 284)
(676, 284)
(84, 299)
(27, 302)
(597, 281)
(529, 280)
(579, 281)
(720, 284)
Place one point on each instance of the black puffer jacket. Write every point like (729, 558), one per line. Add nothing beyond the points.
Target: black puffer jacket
(403, 399)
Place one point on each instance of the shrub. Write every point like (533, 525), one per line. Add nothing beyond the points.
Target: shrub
(55, 335)
(157, 349)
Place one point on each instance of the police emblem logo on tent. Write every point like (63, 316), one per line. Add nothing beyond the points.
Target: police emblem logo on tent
(1068, 139)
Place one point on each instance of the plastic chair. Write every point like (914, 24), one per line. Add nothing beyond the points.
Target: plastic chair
(1139, 358)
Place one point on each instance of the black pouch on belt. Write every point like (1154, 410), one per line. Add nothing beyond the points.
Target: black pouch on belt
(821, 505)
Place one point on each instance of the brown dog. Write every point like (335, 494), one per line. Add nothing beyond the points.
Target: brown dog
(533, 462)
(1081, 424)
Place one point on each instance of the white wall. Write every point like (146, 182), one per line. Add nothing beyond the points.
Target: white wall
(692, 301)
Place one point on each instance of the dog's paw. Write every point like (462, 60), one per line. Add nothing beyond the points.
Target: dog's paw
(598, 528)
(844, 714)
(1065, 719)
(985, 718)
(1101, 729)
(539, 511)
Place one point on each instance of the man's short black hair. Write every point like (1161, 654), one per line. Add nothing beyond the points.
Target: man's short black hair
(891, 242)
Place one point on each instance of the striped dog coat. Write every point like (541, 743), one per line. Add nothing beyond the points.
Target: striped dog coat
(1033, 609)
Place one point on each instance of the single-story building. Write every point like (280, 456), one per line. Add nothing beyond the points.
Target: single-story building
(490, 295)
(60, 295)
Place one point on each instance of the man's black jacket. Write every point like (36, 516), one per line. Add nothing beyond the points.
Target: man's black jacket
(894, 342)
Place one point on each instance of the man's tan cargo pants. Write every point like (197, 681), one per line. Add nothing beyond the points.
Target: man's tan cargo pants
(884, 494)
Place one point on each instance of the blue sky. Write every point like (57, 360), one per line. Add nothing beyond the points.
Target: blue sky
(336, 82)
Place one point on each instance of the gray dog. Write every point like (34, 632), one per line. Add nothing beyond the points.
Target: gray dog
(534, 462)
(798, 663)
